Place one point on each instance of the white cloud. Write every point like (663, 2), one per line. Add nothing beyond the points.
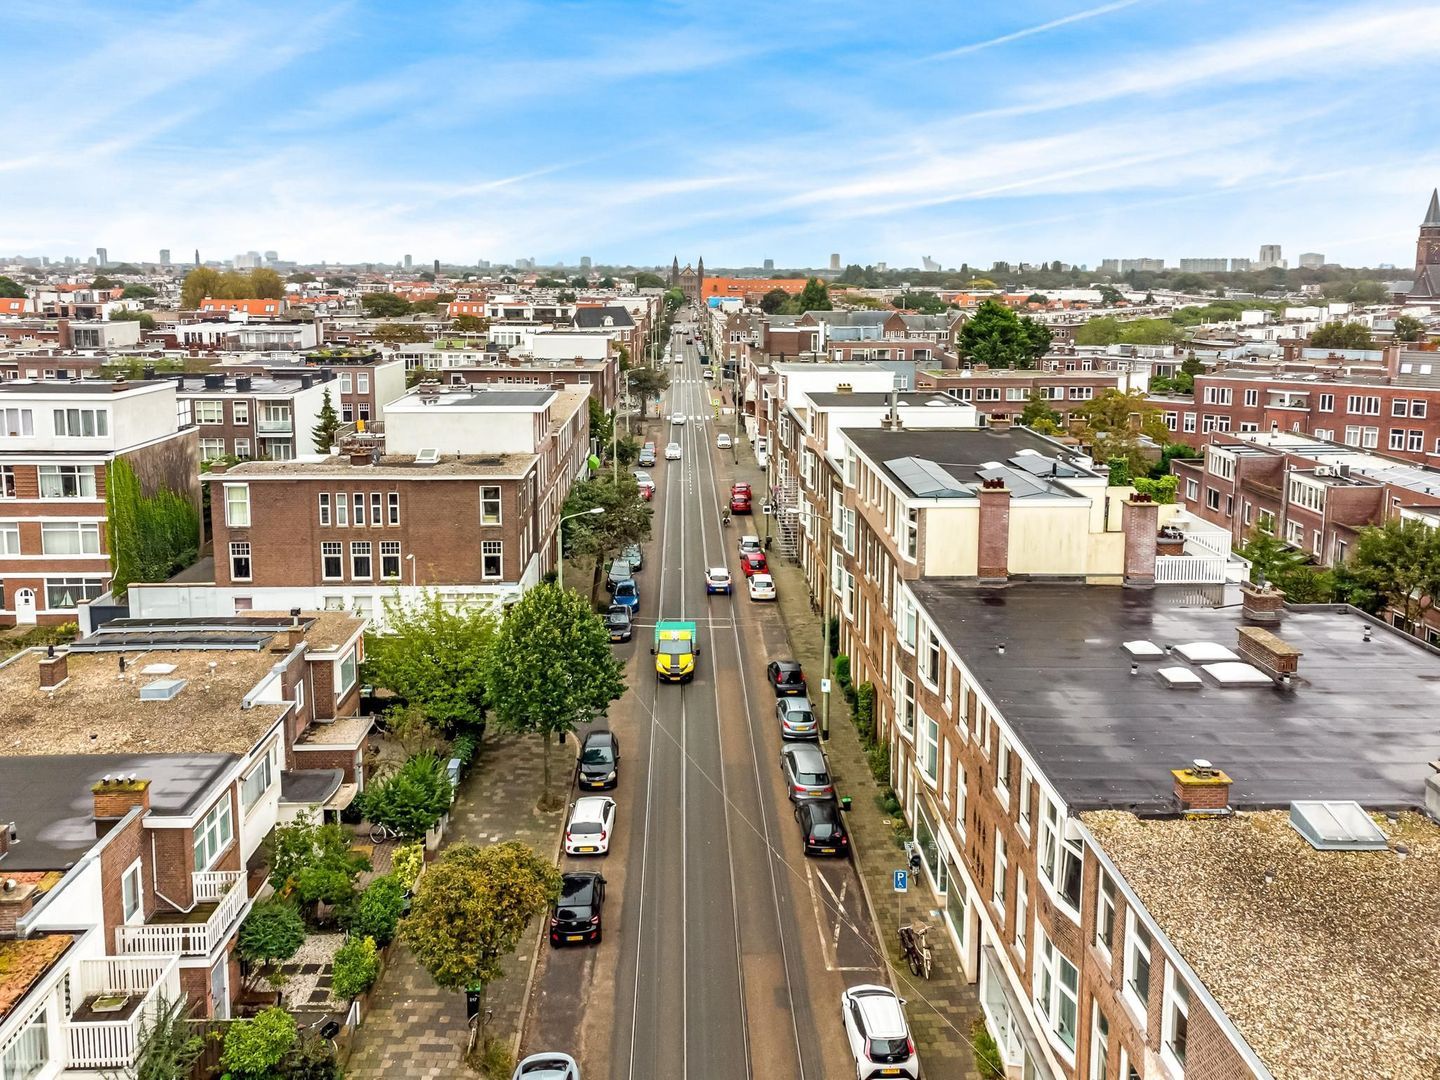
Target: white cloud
(1032, 31)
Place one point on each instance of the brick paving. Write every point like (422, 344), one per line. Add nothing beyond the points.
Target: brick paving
(942, 1008)
(413, 1028)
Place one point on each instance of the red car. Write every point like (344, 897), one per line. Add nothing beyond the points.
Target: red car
(740, 502)
(754, 563)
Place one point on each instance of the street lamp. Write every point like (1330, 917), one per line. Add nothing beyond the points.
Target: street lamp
(411, 560)
(560, 542)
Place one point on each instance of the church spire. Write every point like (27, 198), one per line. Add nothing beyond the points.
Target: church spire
(1432, 216)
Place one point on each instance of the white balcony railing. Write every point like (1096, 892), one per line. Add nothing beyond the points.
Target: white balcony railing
(1190, 570)
(223, 888)
(113, 1044)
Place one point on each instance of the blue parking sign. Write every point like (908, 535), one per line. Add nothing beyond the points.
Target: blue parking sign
(902, 880)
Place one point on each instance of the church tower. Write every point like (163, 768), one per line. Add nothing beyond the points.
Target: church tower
(1427, 253)
(700, 281)
(675, 271)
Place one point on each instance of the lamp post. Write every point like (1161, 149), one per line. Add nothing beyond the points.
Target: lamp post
(560, 542)
(411, 560)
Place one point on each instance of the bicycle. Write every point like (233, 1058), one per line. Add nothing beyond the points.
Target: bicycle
(380, 832)
(329, 1028)
(916, 948)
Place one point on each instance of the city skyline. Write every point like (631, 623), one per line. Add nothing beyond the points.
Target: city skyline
(1063, 131)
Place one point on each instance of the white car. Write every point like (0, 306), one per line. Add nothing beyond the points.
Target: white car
(678, 359)
(672, 452)
(677, 418)
(710, 374)
(748, 544)
(879, 1038)
(591, 821)
(722, 441)
(717, 580)
(762, 587)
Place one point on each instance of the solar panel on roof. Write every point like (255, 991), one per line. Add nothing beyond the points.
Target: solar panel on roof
(1040, 465)
(925, 478)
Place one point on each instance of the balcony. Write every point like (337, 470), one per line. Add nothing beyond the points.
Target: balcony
(285, 426)
(1207, 558)
(220, 900)
(117, 997)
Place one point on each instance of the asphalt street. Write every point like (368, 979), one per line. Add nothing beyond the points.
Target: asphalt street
(725, 950)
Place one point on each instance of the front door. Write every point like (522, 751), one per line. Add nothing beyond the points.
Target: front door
(220, 989)
(25, 606)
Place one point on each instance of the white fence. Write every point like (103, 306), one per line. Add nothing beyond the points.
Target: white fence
(113, 1044)
(225, 888)
(1190, 569)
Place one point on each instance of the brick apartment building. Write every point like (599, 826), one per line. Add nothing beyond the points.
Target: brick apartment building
(497, 365)
(460, 496)
(361, 382)
(143, 767)
(58, 441)
(252, 416)
(1001, 394)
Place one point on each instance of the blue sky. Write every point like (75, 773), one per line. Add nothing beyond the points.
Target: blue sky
(630, 131)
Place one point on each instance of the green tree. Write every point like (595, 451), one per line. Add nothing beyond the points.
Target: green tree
(646, 383)
(926, 303)
(1118, 425)
(646, 280)
(432, 658)
(1270, 557)
(1037, 298)
(411, 799)
(996, 336)
(265, 284)
(138, 292)
(356, 966)
(607, 282)
(376, 911)
(384, 305)
(470, 324)
(313, 861)
(1397, 565)
(1337, 335)
(775, 302)
(1109, 295)
(674, 300)
(400, 334)
(103, 282)
(255, 1048)
(1039, 416)
(626, 520)
(144, 318)
(11, 288)
(322, 435)
(1369, 292)
(1409, 328)
(272, 931)
(1161, 489)
(300, 278)
(168, 1045)
(551, 668)
(472, 907)
(814, 297)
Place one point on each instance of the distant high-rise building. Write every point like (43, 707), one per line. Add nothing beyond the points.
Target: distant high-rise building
(1204, 266)
(1240, 266)
(407, 263)
(197, 256)
(585, 262)
(435, 269)
(1269, 257)
(91, 262)
(103, 256)
(164, 256)
(929, 264)
(881, 267)
(1124, 266)
(769, 265)
(835, 261)
(272, 256)
(1311, 260)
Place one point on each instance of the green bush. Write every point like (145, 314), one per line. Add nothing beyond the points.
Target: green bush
(376, 911)
(357, 963)
(879, 758)
(987, 1054)
(312, 1060)
(273, 930)
(406, 864)
(832, 631)
(412, 799)
(865, 712)
(842, 670)
(255, 1048)
(889, 802)
(464, 748)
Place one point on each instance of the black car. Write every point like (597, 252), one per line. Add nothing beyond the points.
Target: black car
(822, 828)
(599, 761)
(576, 915)
(785, 677)
(618, 622)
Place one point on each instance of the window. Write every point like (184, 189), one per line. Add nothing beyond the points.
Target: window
(209, 412)
(1099, 1046)
(64, 593)
(1137, 965)
(997, 887)
(210, 449)
(342, 509)
(1397, 438)
(1252, 397)
(360, 562)
(345, 382)
(1400, 407)
(377, 513)
(1327, 403)
(1105, 914)
(242, 449)
(70, 538)
(1212, 498)
(1189, 422)
(17, 422)
(960, 794)
(930, 748)
(1025, 799)
(489, 505)
(905, 702)
(359, 515)
(1192, 489)
(213, 835)
(240, 413)
(1176, 1031)
(931, 670)
(240, 561)
(491, 559)
(362, 382)
(332, 560)
(1372, 406)
(1057, 990)
(389, 558)
(1172, 420)
(347, 413)
(324, 508)
(82, 423)
(1022, 912)
(912, 532)
(9, 539)
(7, 481)
(1218, 395)
(1081, 393)
(1060, 860)
(257, 783)
(67, 481)
(394, 507)
(237, 505)
(1002, 770)
(345, 674)
(1418, 408)
(132, 894)
(1307, 494)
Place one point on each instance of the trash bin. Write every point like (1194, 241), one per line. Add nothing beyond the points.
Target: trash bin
(844, 802)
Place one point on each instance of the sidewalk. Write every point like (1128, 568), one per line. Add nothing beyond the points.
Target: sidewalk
(942, 1008)
(415, 1029)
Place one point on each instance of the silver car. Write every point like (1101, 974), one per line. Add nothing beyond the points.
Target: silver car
(807, 773)
(797, 718)
(552, 1066)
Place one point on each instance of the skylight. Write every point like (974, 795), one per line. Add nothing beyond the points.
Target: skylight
(1205, 652)
(1235, 673)
(1143, 649)
(1179, 678)
(1336, 826)
(427, 456)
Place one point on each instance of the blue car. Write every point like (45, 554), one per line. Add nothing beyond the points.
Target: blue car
(627, 594)
(717, 580)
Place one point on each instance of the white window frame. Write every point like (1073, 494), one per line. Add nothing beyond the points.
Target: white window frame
(492, 549)
(132, 883)
(336, 550)
(323, 500)
(346, 672)
(1105, 914)
(1022, 912)
(1176, 1005)
(86, 533)
(1099, 1044)
(997, 887)
(237, 506)
(1052, 992)
(240, 549)
(1134, 949)
(489, 500)
(362, 550)
(258, 781)
(217, 828)
(929, 757)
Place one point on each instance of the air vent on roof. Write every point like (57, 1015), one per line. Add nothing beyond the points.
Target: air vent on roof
(161, 689)
(157, 669)
(1336, 826)
(1179, 678)
(1234, 673)
(427, 456)
(1205, 652)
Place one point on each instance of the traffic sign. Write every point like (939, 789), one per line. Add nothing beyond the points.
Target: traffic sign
(824, 686)
(902, 880)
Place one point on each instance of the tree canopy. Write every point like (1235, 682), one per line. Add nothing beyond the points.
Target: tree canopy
(1397, 565)
(646, 280)
(1117, 426)
(203, 281)
(432, 658)
(926, 303)
(1040, 416)
(1409, 328)
(1108, 330)
(1338, 335)
(400, 334)
(814, 297)
(774, 302)
(626, 519)
(322, 435)
(11, 288)
(996, 336)
(384, 305)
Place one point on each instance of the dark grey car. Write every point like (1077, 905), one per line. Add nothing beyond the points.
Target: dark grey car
(807, 773)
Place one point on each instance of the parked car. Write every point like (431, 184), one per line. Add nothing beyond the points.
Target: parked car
(740, 502)
(762, 586)
(749, 544)
(753, 562)
(647, 455)
(628, 593)
(807, 773)
(717, 580)
(710, 374)
(599, 764)
(547, 1066)
(634, 556)
(677, 418)
(672, 452)
(786, 677)
(619, 572)
(722, 441)
(797, 718)
(588, 830)
(822, 828)
(879, 1037)
(646, 484)
(619, 622)
(575, 916)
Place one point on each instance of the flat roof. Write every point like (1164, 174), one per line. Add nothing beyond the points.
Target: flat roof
(906, 398)
(392, 467)
(48, 797)
(961, 458)
(1358, 722)
(1327, 971)
(473, 397)
(66, 387)
(259, 385)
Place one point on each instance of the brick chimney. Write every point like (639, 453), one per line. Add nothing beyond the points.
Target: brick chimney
(1262, 605)
(53, 670)
(359, 458)
(115, 796)
(1139, 521)
(14, 903)
(994, 546)
(1202, 789)
(1271, 654)
(217, 467)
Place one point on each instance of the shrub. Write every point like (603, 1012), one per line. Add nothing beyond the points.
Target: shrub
(879, 758)
(865, 712)
(832, 631)
(464, 748)
(376, 912)
(842, 670)
(304, 848)
(889, 802)
(987, 1054)
(406, 864)
(357, 963)
(312, 1060)
(273, 930)
(255, 1048)
(412, 799)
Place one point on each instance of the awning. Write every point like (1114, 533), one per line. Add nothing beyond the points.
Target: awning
(342, 798)
(1034, 1050)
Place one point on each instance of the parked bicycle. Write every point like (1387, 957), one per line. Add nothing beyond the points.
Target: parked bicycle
(915, 945)
(379, 833)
